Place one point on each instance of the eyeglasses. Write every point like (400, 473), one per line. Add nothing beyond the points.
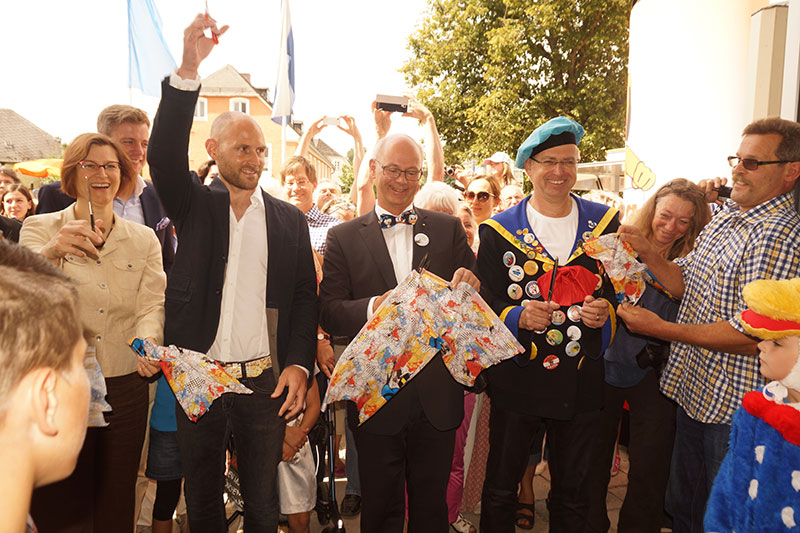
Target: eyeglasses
(549, 164)
(482, 196)
(91, 166)
(412, 174)
(751, 164)
(302, 182)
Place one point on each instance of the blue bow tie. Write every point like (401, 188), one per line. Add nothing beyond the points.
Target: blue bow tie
(406, 217)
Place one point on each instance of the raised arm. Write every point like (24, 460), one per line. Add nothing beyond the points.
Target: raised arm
(305, 139)
(434, 154)
(167, 152)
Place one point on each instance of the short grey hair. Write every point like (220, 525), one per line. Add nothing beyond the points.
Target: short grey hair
(438, 196)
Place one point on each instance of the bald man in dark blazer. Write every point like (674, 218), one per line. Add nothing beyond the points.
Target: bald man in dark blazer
(409, 441)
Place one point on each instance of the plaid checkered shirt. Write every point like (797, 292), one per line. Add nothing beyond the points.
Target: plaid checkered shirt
(318, 225)
(734, 249)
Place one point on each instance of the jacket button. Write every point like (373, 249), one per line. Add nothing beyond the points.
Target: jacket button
(217, 292)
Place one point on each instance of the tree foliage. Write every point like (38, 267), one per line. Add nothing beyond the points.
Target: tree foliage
(347, 178)
(493, 70)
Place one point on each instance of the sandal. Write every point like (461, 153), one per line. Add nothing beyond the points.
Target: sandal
(524, 520)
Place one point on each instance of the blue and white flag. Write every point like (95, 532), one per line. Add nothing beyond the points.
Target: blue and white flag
(284, 87)
(149, 57)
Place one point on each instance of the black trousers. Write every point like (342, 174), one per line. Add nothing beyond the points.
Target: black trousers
(652, 433)
(258, 433)
(570, 444)
(417, 460)
(99, 495)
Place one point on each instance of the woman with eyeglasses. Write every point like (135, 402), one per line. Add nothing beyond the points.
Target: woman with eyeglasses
(117, 266)
(483, 197)
(671, 219)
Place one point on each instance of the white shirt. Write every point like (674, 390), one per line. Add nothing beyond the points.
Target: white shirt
(131, 209)
(400, 243)
(557, 235)
(242, 332)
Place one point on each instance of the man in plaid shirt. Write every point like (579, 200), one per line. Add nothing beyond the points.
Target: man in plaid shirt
(712, 363)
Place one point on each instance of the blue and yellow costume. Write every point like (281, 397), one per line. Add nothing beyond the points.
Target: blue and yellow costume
(561, 371)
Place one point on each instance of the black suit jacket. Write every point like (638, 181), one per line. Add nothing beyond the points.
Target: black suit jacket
(51, 199)
(9, 228)
(357, 267)
(201, 215)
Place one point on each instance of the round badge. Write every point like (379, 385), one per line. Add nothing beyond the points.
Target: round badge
(528, 238)
(538, 331)
(557, 318)
(516, 273)
(530, 267)
(532, 289)
(573, 348)
(531, 254)
(574, 333)
(587, 235)
(547, 267)
(421, 239)
(554, 337)
(574, 313)
(509, 259)
(550, 362)
(599, 282)
(524, 302)
(514, 291)
(539, 248)
(591, 224)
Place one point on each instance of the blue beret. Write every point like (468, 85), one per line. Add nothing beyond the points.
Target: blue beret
(554, 132)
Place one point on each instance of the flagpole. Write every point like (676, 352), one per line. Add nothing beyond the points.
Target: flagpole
(283, 142)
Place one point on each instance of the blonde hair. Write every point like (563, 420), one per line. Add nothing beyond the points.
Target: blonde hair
(685, 190)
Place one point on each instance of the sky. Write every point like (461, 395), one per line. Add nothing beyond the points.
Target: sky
(63, 62)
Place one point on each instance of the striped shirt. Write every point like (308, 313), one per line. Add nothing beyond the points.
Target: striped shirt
(734, 249)
(318, 225)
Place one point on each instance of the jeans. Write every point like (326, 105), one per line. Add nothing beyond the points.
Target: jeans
(258, 434)
(696, 458)
(652, 435)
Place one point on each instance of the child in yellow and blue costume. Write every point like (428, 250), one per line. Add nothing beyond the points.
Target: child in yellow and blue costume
(757, 488)
(561, 371)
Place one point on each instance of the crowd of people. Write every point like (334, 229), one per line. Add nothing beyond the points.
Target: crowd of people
(272, 286)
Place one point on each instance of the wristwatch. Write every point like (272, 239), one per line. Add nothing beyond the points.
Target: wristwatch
(323, 336)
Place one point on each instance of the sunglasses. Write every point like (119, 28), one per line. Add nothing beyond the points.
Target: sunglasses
(482, 196)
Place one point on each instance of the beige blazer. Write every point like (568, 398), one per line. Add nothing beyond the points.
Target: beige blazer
(121, 293)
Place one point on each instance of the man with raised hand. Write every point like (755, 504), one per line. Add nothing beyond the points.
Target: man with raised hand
(243, 276)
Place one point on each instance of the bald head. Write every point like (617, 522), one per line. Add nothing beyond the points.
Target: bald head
(395, 140)
(222, 122)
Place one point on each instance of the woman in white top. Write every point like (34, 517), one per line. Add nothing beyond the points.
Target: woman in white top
(121, 282)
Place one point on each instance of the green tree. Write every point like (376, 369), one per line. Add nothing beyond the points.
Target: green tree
(492, 70)
(347, 178)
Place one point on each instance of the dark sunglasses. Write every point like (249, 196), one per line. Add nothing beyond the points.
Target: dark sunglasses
(482, 196)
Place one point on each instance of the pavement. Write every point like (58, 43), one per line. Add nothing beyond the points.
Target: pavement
(616, 494)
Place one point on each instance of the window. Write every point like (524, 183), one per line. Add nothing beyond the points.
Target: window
(201, 109)
(337, 165)
(241, 105)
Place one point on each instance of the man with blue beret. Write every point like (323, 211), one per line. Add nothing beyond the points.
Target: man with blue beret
(565, 327)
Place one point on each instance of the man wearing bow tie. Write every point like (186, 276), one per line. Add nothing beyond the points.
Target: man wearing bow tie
(409, 442)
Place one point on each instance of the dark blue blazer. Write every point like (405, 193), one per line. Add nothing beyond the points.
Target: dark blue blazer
(201, 215)
(51, 199)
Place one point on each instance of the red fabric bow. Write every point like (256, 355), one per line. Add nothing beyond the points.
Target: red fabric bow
(573, 284)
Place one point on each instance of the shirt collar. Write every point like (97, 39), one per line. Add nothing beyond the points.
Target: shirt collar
(381, 211)
(257, 199)
(761, 209)
(314, 213)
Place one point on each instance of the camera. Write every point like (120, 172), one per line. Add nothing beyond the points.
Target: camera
(393, 104)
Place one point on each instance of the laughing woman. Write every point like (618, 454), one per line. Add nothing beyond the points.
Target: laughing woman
(117, 265)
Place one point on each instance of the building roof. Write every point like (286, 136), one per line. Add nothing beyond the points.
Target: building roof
(21, 140)
(228, 81)
(326, 150)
